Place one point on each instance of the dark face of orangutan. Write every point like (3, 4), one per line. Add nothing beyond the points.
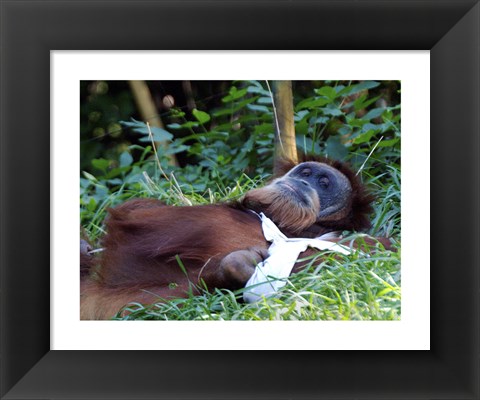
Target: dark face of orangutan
(311, 193)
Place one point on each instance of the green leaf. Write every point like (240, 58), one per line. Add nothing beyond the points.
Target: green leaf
(255, 107)
(312, 103)
(332, 111)
(89, 176)
(145, 152)
(264, 128)
(133, 123)
(101, 164)
(234, 94)
(233, 110)
(84, 183)
(116, 172)
(359, 87)
(367, 85)
(115, 181)
(364, 137)
(201, 116)
(175, 125)
(92, 204)
(319, 120)
(369, 126)
(307, 144)
(101, 192)
(299, 115)
(264, 100)
(177, 113)
(384, 292)
(374, 113)
(335, 148)
(258, 89)
(190, 124)
(327, 91)
(177, 149)
(345, 130)
(364, 102)
(126, 159)
(159, 134)
(388, 143)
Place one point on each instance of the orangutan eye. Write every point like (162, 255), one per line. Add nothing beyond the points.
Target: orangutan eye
(306, 172)
(324, 182)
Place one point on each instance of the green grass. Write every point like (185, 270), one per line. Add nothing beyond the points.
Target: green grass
(355, 287)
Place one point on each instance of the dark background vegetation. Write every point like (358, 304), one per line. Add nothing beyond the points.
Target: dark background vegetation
(104, 104)
(213, 134)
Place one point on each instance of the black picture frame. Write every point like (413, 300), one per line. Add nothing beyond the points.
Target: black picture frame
(31, 29)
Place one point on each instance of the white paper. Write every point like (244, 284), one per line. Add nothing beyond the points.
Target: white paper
(271, 274)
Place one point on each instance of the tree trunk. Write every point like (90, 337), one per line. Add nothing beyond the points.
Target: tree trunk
(285, 146)
(148, 111)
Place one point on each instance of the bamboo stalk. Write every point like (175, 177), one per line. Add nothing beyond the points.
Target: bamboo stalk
(285, 145)
(148, 111)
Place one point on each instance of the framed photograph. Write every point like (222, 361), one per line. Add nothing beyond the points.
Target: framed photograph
(360, 325)
(47, 352)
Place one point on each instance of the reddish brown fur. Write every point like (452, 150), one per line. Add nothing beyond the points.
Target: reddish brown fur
(146, 239)
(292, 219)
(151, 238)
(145, 242)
